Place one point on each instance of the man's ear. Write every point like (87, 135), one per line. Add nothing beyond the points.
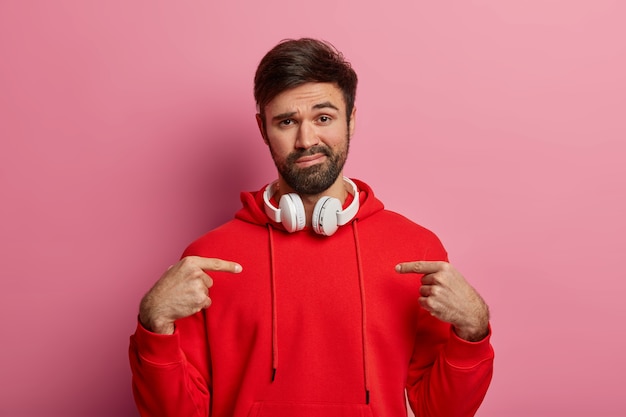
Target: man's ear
(352, 124)
(261, 125)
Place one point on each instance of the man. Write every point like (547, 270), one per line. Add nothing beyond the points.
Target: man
(313, 301)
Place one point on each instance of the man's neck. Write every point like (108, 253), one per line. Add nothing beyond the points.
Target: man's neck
(339, 190)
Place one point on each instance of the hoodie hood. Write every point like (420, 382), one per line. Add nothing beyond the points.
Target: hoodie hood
(253, 206)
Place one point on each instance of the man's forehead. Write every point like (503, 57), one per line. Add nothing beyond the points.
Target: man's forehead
(309, 96)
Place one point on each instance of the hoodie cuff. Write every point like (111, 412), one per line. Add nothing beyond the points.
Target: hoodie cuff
(461, 353)
(160, 349)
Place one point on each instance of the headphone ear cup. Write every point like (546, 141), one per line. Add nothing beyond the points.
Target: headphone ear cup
(292, 212)
(324, 221)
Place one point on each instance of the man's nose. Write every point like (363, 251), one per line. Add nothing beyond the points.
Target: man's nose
(307, 136)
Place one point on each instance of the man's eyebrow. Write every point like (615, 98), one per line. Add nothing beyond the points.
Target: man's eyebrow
(326, 105)
(283, 116)
(323, 105)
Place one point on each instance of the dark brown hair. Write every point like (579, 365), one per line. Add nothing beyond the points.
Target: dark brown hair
(298, 61)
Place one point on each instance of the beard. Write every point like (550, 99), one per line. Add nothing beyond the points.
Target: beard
(315, 179)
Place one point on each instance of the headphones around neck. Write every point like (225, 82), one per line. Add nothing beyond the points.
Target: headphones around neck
(327, 214)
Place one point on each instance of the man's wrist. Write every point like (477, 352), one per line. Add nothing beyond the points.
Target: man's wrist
(472, 334)
(152, 322)
(157, 326)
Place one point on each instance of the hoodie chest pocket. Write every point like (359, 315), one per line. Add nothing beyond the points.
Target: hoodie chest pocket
(287, 409)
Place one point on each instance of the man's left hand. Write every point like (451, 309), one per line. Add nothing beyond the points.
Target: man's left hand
(449, 297)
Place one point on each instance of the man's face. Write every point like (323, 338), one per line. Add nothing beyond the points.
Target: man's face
(307, 131)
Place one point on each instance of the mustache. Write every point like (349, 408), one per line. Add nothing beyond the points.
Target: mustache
(317, 149)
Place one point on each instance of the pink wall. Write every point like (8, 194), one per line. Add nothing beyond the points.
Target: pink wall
(127, 129)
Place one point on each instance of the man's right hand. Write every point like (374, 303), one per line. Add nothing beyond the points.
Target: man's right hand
(182, 291)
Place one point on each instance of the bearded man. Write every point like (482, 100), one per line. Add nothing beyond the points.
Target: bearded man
(338, 307)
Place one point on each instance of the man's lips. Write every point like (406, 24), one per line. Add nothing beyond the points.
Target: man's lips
(309, 160)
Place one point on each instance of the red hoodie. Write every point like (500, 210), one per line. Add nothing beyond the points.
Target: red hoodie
(314, 326)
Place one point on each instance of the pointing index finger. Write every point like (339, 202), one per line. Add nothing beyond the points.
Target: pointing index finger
(216, 264)
(420, 267)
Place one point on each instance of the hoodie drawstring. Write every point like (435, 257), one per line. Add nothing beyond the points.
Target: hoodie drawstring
(273, 296)
(361, 297)
(363, 315)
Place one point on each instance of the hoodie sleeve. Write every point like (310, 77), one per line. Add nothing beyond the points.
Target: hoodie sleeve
(452, 378)
(448, 376)
(170, 379)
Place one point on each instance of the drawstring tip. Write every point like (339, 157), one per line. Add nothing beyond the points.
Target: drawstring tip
(367, 396)
(273, 374)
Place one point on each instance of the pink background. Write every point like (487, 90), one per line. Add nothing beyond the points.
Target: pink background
(127, 129)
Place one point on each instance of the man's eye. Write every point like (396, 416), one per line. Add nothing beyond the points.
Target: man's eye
(286, 122)
(324, 119)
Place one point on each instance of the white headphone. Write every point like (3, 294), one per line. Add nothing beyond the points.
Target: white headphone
(327, 214)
